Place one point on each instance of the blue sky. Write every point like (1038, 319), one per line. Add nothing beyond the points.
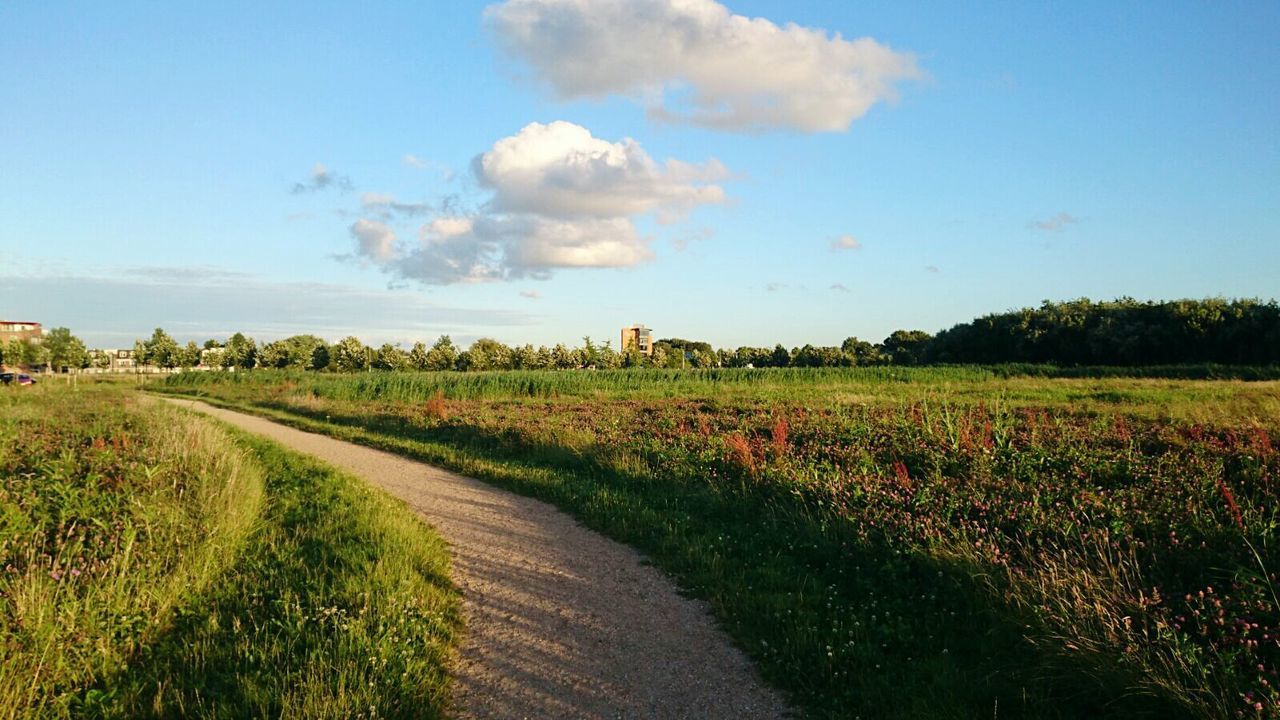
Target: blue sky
(233, 166)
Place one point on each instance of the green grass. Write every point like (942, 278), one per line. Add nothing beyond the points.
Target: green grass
(1170, 393)
(157, 564)
(937, 544)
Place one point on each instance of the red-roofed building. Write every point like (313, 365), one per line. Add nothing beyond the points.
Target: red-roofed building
(20, 330)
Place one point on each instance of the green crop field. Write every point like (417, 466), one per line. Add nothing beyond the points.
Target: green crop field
(157, 564)
(888, 542)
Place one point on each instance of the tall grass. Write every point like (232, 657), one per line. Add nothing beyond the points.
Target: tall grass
(552, 383)
(1168, 398)
(111, 515)
(159, 565)
(340, 607)
(650, 383)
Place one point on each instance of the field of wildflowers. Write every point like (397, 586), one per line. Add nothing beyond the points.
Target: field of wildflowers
(156, 564)
(945, 544)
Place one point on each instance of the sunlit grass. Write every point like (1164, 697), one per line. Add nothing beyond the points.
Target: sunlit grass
(112, 516)
(156, 564)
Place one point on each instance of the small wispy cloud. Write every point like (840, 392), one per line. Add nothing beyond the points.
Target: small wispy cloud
(417, 163)
(775, 287)
(1055, 223)
(683, 241)
(531, 294)
(322, 178)
(385, 206)
(846, 242)
(184, 274)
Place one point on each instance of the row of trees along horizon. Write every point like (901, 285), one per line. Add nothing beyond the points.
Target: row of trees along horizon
(1122, 332)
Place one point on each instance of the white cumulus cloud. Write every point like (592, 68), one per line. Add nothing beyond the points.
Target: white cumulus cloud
(560, 170)
(694, 61)
(539, 243)
(561, 198)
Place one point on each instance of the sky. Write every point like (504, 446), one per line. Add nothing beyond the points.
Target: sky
(536, 171)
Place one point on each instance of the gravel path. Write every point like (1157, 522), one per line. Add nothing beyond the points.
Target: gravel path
(560, 621)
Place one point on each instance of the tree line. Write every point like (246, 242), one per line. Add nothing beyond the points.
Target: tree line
(1122, 332)
(350, 354)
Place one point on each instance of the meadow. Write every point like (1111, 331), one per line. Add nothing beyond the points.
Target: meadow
(157, 564)
(893, 542)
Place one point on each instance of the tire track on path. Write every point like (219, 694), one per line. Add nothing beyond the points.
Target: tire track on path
(561, 622)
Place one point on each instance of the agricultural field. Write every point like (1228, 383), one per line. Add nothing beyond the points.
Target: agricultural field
(157, 564)
(890, 542)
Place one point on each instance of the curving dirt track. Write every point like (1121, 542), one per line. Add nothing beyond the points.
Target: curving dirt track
(560, 621)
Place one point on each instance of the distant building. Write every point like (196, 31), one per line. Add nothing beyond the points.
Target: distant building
(638, 338)
(112, 360)
(20, 330)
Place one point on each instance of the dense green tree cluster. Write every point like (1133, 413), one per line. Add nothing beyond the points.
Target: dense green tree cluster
(240, 352)
(302, 352)
(63, 350)
(160, 350)
(1121, 332)
(350, 355)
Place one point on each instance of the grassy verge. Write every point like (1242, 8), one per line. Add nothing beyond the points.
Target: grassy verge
(109, 516)
(159, 565)
(1052, 548)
